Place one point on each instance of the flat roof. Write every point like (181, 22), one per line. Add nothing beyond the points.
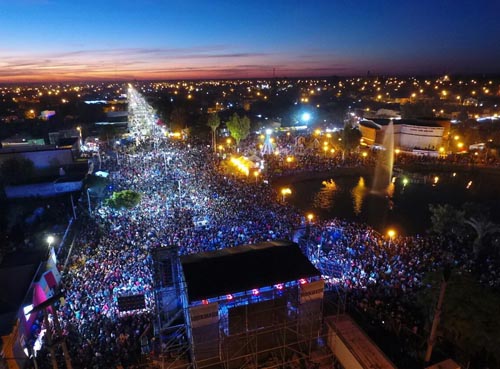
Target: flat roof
(409, 122)
(366, 352)
(242, 268)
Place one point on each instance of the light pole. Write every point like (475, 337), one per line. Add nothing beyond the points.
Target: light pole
(179, 188)
(391, 233)
(79, 129)
(284, 192)
(309, 249)
(256, 174)
(88, 200)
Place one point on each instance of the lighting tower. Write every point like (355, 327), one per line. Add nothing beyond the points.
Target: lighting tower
(268, 147)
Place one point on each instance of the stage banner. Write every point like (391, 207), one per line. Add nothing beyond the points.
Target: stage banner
(312, 291)
(203, 315)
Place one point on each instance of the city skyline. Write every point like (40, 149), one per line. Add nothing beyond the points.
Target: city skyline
(45, 40)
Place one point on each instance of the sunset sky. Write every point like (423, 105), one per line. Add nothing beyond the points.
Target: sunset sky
(175, 39)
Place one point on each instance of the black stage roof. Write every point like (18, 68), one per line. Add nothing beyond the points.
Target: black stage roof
(242, 268)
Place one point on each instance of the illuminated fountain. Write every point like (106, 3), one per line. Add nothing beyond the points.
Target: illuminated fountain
(385, 162)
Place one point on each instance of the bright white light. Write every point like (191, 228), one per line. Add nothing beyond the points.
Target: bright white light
(27, 311)
(306, 117)
(269, 131)
(50, 239)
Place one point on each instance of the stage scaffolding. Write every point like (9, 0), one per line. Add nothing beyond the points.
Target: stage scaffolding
(171, 336)
(269, 330)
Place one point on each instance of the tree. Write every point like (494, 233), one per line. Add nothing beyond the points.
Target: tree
(239, 128)
(178, 119)
(214, 123)
(17, 170)
(108, 132)
(125, 199)
(96, 184)
(447, 221)
(349, 139)
(483, 227)
(466, 318)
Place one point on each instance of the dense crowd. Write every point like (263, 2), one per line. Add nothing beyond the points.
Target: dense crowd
(374, 272)
(188, 202)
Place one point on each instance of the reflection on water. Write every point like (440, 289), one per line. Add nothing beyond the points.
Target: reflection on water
(324, 199)
(405, 204)
(361, 191)
(358, 195)
(390, 193)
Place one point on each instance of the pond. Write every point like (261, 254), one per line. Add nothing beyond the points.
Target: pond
(406, 205)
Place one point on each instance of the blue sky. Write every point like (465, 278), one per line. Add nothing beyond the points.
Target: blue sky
(165, 39)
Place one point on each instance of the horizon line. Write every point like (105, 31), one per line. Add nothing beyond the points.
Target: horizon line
(242, 78)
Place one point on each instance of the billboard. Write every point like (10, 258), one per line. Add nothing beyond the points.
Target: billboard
(312, 291)
(202, 315)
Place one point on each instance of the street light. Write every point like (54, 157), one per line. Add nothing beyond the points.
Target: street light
(50, 239)
(306, 117)
(285, 191)
(391, 233)
(256, 174)
(310, 217)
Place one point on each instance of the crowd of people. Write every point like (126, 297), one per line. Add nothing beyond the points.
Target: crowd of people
(376, 273)
(188, 202)
(112, 255)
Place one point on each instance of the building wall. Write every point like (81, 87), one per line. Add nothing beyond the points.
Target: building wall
(42, 159)
(342, 353)
(368, 134)
(409, 136)
(42, 189)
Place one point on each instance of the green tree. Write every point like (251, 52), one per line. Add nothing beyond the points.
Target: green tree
(483, 228)
(109, 132)
(96, 184)
(178, 119)
(466, 318)
(17, 170)
(125, 199)
(447, 221)
(349, 139)
(239, 128)
(214, 123)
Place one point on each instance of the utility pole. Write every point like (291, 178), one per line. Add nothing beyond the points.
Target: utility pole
(180, 193)
(437, 315)
(73, 206)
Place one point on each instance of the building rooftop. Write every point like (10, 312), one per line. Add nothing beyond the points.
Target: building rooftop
(410, 122)
(242, 268)
(17, 271)
(364, 350)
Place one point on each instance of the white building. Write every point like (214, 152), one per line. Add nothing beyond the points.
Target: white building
(409, 134)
